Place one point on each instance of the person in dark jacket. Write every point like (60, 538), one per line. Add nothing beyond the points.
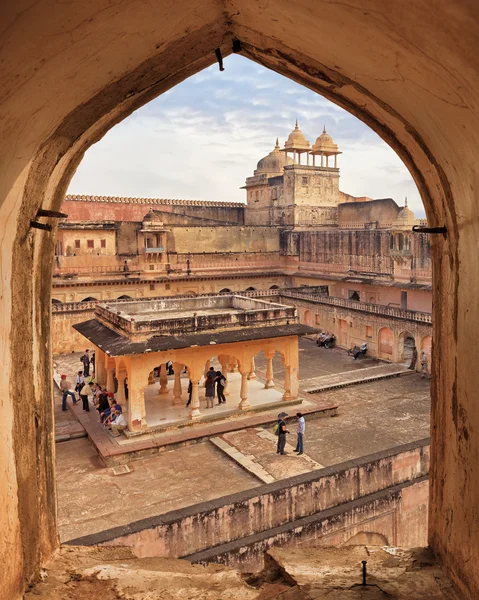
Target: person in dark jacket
(85, 359)
(210, 385)
(282, 431)
(220, 387)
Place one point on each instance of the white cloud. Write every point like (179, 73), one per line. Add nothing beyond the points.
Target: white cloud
(204, 137)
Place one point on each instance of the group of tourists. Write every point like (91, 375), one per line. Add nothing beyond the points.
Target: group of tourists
(281, 431)
(215, 383)
(326, 339)
(110, 412)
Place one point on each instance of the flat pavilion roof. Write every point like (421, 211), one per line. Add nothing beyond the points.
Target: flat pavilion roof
(172, 323)
(116, 344)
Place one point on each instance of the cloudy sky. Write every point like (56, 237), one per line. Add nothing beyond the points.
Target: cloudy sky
(202, 139)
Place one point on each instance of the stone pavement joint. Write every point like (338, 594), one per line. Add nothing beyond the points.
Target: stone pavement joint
(243, 461)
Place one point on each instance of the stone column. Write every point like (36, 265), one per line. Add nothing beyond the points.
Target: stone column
(100, 371)
(163, 380)
(252, 374)
(269, 371)
(110, 384)
(224, 369)
(207, 368)
(120, 395)
(293, 382)
(244, 404)
(287, 383)
(151, 378)
(195, 399)
(177, 367)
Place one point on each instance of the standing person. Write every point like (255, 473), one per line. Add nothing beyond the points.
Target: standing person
(190, 391)
(210, 387)
(412, 366)
(92, 361)
(80, 380)
(84, 396)
(281, 432)
(125, 385)
(300, 431)
(220, 387)
(424, 369)
(65, 388)
(85, 359)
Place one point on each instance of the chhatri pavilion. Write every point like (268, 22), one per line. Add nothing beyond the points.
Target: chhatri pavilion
(133, 339)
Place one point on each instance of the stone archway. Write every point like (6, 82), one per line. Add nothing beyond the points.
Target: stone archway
(406, 344)
(423, 103)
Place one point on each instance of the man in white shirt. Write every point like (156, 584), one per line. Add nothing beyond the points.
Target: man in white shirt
(119, 424)
(300, 431)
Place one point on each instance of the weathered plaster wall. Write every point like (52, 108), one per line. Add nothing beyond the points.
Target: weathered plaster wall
(126, 209)
(218, 239)
(70, 237)
(395, 517)
(204, 526)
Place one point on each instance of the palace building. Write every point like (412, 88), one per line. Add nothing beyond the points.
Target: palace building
(351, 266)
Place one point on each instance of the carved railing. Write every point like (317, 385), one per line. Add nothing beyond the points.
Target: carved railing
(378, 309)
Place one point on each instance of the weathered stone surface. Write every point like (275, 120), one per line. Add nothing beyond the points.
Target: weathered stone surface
(113, 573)
(336, 573)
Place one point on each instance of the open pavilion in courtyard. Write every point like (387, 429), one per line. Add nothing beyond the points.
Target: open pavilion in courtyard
(133, 339)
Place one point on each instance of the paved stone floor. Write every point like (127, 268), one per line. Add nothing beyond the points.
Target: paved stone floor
(91, 498)
(371, 417)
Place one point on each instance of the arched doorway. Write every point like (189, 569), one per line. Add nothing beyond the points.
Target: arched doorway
(386, 344)
(225, 291)
(90, 299)
(406, 345)
(124, 297)
(308, 319)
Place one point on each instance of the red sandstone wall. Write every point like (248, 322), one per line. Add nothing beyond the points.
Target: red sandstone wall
(119, 211)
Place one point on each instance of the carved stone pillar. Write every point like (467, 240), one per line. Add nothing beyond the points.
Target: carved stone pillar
(177, 367)
(151, 378)
(163, 380)
(207, 368)
(110, 383)
(252, 374)
(287, 383)
(100, 371)
(244, 404)
(120, 395)
(269, 371)
(195, 399)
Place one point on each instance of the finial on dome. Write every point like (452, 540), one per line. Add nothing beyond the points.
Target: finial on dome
(277, 144)
(324, 128)
(296, 126)
(406, 202)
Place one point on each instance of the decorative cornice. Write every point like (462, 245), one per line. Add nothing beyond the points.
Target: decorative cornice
(151, 201)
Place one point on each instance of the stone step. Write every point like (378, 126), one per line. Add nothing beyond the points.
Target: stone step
(355, 377)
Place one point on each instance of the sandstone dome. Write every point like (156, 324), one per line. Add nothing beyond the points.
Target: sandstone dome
(325, 143)
(273, 163)
(296, 140)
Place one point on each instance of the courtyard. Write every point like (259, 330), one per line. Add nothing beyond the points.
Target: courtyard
(370, 417)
